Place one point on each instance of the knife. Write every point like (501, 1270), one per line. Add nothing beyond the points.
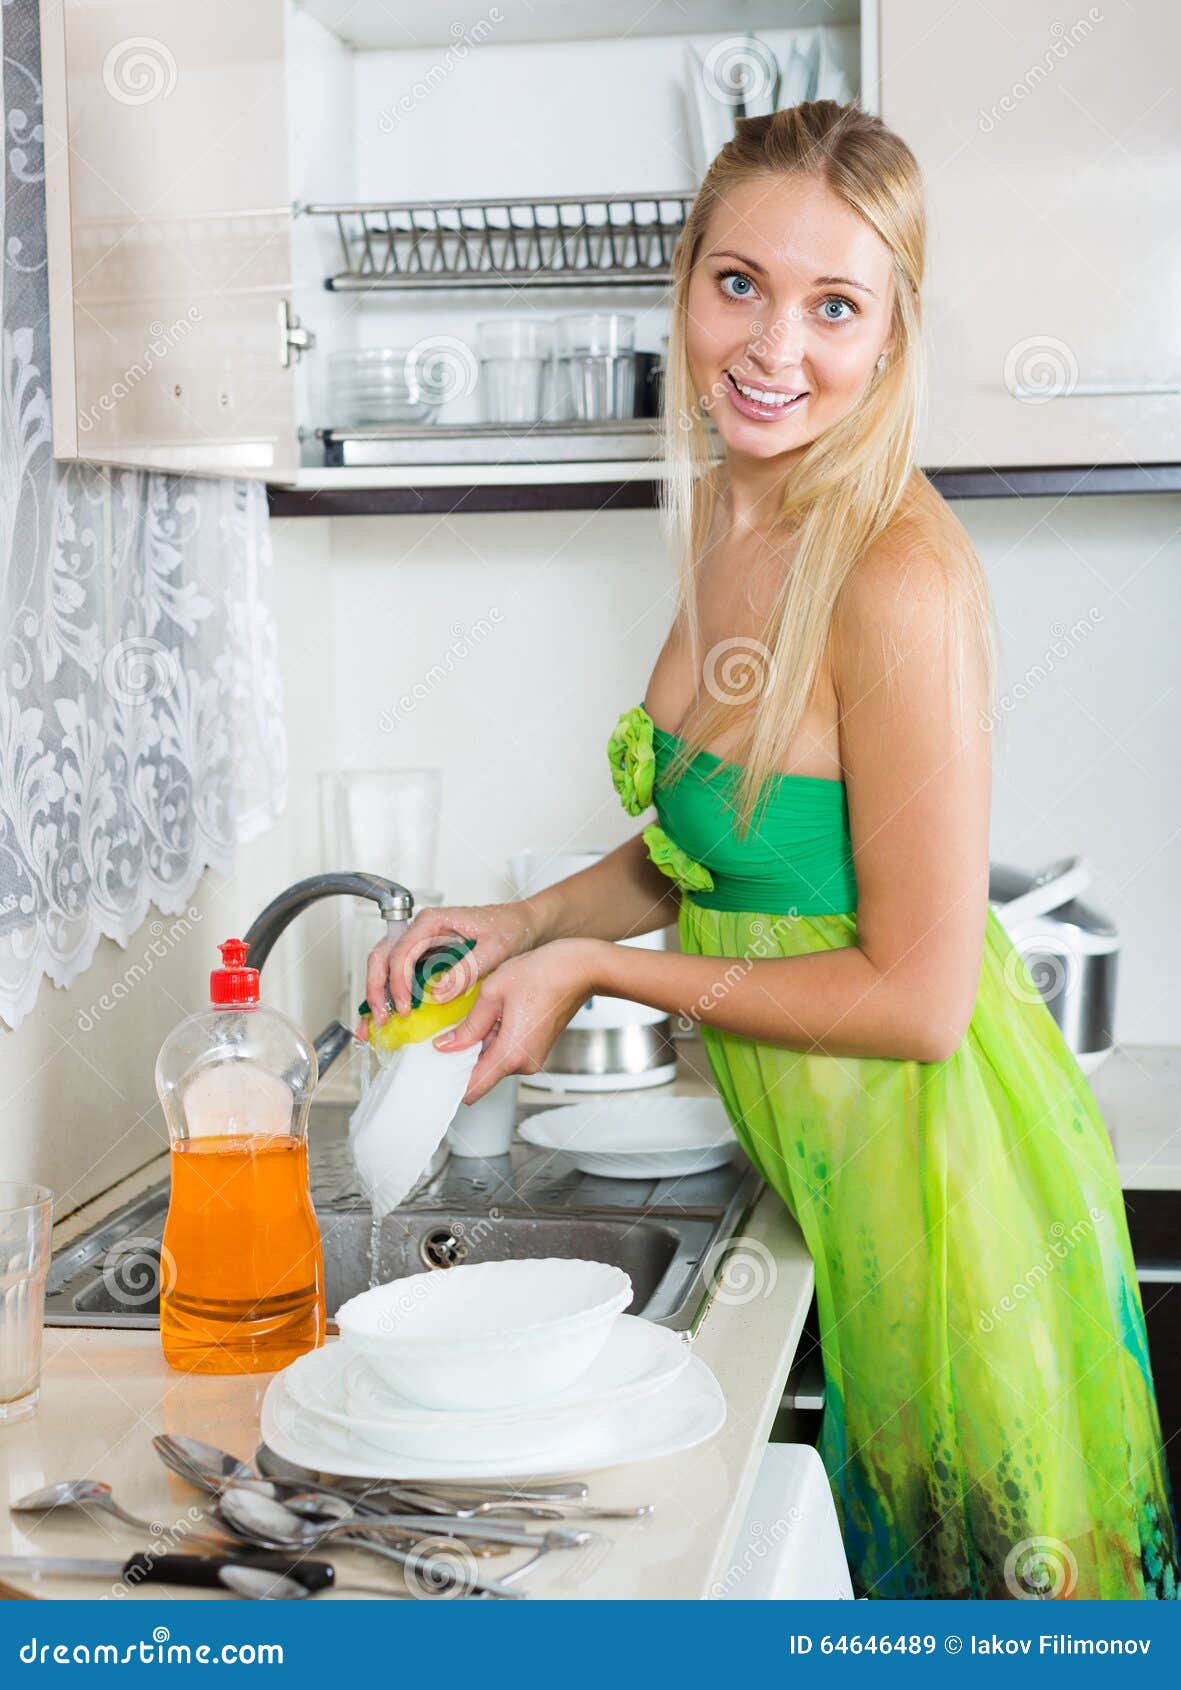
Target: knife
(146, 1568)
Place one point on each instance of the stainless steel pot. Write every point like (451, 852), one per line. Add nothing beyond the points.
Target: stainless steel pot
(1070, 949)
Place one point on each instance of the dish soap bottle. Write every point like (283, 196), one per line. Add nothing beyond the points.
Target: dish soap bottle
(242, 1270)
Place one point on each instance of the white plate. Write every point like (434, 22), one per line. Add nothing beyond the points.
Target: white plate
(637, 1137)
(403, 1117)
(333, 1384)
(680, 1415)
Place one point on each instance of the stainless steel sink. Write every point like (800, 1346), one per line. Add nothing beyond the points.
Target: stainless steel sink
(531, 1203)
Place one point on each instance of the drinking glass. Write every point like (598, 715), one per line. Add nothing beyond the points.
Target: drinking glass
(26, 1219)
(596, 365)
(387, 823)
(514, 354)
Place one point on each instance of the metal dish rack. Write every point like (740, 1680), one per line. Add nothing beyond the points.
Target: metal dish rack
(571, 242)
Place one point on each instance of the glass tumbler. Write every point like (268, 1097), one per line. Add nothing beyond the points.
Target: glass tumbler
(514, 354)
(26, 1220)
(596, 365)
(387, 823)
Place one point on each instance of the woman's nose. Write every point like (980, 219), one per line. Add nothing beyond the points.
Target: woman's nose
(778, 347)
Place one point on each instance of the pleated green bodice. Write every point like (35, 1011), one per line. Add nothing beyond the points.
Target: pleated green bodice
(796, 859)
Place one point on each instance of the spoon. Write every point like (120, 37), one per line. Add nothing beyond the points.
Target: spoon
(263, 1521)
(257, 1582)
(212, 1470)
(204, 1465)
(92, 1493)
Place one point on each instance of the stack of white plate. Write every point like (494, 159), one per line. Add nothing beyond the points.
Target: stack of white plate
(499, 1368)
(637, 1137)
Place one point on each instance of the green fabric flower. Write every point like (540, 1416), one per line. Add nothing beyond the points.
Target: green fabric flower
(677, 864)
(633, 761)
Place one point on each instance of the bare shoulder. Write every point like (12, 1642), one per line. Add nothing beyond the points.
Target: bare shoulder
(913, 573)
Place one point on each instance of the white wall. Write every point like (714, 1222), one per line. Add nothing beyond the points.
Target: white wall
(574, 606)
(573, 609)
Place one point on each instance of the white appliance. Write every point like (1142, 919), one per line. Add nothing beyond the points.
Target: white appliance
(1070, 949)
(788, 1548)
(610, 1044)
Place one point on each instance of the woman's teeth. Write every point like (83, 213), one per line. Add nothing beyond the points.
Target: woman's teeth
(761, 396)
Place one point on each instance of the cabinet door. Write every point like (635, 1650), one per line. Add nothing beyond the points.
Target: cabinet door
(169, 234)
(1052, 157)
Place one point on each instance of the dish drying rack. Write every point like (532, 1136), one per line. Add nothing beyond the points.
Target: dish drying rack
(620, 240)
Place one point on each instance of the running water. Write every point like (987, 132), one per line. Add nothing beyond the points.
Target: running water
(374, 1252)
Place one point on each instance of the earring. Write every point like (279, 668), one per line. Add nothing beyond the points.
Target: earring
(881, 363)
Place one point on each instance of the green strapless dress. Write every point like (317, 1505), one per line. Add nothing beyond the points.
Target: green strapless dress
(990, 1424)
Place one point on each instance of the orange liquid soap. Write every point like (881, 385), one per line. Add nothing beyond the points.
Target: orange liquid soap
(249, 1295)
(241, 1264)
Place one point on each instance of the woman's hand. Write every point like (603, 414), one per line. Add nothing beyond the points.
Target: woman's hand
(521, 1009)
(500, 931)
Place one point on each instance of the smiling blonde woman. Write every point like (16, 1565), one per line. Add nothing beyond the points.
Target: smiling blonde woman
(815, 738)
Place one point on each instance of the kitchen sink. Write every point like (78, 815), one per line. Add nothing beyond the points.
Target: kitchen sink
(665, 1234)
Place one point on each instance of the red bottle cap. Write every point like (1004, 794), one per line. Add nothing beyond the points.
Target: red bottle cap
(233, 982)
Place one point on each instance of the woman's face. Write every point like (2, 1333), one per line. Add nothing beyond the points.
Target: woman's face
(766, 312)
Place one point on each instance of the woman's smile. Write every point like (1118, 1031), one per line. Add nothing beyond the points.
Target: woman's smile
(742, 395)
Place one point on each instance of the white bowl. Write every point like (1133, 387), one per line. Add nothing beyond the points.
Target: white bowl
(488, 1335)
(332, 1384)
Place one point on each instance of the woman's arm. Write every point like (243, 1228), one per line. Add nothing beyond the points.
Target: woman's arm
(919, 800)
(918, 809)
(619, 897)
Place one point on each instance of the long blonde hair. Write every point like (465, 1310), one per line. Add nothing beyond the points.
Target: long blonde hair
(849, 484)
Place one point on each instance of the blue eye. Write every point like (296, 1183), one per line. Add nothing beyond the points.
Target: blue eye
(839, 299)
(735, 275)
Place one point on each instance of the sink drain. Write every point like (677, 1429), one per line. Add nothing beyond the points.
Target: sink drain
(442, 1248)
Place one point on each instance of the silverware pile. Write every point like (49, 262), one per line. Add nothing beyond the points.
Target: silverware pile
(267, 1518)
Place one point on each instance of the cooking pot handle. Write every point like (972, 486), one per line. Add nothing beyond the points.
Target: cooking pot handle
(1054, 886)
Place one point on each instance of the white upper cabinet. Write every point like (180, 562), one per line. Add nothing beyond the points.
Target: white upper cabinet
(187, 142)
(1051, 147)
(169, 206)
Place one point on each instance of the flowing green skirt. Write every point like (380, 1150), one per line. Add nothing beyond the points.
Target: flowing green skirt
(990, 1425)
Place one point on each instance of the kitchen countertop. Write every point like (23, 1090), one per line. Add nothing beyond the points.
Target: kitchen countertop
(1138, 1090)
(105, 1393)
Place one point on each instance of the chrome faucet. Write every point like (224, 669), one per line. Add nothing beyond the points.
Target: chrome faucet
(394, 901)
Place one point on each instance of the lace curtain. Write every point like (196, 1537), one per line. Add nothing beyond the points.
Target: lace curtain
(141, 711)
